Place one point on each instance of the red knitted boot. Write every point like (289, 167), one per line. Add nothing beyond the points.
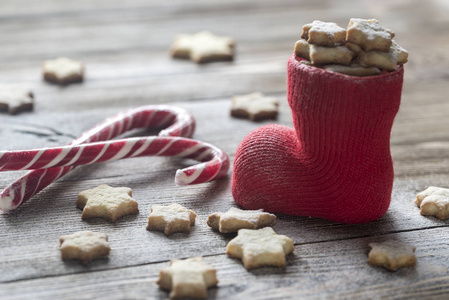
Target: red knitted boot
(336, 164)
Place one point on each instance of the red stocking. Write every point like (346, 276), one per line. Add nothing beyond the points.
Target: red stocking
(336, 163)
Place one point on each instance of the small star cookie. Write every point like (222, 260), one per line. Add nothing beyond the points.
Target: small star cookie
(254, 106)
(14, 100)
(63, 71)
(319, 55)
(262, 247)
(188, 278)
(235, 219)
(203, 47)
(84, 246)
(104, 201)
(392, 255)
(170, 219)
(369, 35)
(434, 201)
(327, 34)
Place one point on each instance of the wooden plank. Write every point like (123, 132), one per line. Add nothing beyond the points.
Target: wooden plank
(335, 269)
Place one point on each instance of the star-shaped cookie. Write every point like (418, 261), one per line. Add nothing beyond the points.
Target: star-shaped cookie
(170, 219)
(63, 71)
(369, 35)
(326, 34)
(434, 201)
(203, 47)
(262, 247)
(392, 255)
(14, 100)
(84, 246)
(254, 106)
(235, 219)
(188, 278)
(104, 201)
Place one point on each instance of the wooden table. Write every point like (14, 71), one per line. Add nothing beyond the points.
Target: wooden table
(124, 46)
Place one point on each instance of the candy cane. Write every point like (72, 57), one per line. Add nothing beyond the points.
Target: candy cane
(49, 164)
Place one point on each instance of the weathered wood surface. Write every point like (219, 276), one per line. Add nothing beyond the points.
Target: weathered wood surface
(124, 45)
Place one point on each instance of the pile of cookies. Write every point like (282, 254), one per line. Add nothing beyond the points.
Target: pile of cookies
(365, 48)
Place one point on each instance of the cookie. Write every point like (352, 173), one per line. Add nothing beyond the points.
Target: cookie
(369, 35)
(434, 201)
(235, 219)
(203, 47)
(15, 100)
(262, 247)
(383, 60)
(254, 106)
(84, 246)
(302, 49)
(170, 219)
(330, 55)
(392, 255)
(353, 70)
(327, 34)
(63, 71)
(188, 278)
(104, 201)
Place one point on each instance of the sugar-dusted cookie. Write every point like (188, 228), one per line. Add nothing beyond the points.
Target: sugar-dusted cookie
(63, 71)
(392, 255)
(330, 55)
(384, 60)
(235, 219)
(107, 202)
(170, 219)
(353, 70)
(14, 100)
(254, 106)
(434, 201)
(326, 34)
(84, 246)
(188, 278)
(203, 47)
(261, 247)
(369, 35)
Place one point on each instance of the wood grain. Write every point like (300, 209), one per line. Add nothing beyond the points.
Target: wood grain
(124, 46)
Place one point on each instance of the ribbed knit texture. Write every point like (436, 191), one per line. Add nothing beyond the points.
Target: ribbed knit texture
(336, 162)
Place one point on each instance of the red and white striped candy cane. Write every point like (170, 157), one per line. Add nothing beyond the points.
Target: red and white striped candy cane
(49, 164)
